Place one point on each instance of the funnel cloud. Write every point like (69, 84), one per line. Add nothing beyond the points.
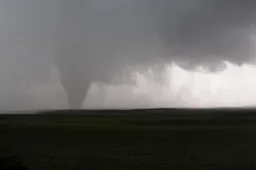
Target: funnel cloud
(95, 40)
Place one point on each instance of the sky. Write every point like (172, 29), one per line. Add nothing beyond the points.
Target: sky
(126, 53)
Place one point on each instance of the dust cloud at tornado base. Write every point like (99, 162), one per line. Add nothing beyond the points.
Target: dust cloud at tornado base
(42, 39)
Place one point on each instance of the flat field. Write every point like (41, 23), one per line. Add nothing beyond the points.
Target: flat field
(131, 139)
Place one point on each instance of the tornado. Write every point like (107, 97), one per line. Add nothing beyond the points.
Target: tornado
(71, 58)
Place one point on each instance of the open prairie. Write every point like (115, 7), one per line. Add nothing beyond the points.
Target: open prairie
(131, 139)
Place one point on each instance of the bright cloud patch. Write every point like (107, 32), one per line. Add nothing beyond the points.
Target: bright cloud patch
(235, 86)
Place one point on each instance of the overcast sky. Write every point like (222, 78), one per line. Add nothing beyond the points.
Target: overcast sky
(100, 37)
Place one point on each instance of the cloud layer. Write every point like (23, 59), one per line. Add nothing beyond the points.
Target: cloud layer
(93, 40)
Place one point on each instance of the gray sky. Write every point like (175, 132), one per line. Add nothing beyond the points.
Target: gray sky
(93, 39)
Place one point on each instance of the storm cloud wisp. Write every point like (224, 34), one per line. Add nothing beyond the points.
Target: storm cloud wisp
(53, 50)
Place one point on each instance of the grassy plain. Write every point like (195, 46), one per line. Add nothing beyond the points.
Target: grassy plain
(131, 140)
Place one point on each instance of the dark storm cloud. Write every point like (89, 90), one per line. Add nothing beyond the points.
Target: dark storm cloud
(126, 30)
(222, 28)
(92, 39)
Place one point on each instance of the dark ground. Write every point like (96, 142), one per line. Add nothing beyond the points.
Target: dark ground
(132, 140)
